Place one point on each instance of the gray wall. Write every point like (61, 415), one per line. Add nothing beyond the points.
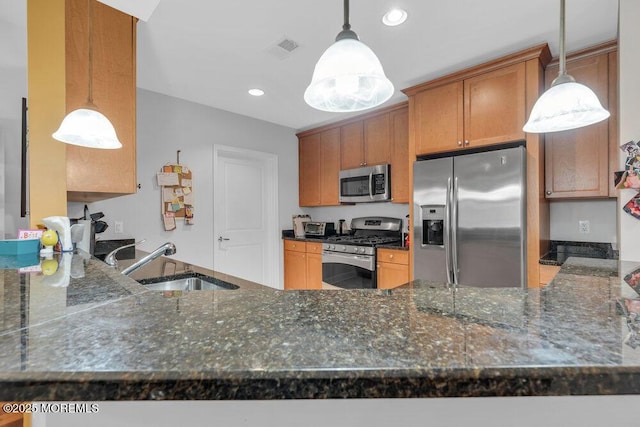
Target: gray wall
(165, 125)
(601, 215)
(13, 87)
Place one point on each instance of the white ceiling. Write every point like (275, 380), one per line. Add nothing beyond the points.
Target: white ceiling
(212, 52)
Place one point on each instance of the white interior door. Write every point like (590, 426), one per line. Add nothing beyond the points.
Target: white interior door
(245, 215)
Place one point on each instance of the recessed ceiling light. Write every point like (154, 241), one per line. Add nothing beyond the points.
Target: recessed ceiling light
(394, 17)
(256, 92)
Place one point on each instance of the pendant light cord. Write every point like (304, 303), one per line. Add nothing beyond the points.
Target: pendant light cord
(563, 59)
(346, 25)
(90, 67)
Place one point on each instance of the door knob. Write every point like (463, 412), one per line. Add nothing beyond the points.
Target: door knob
(221, 239)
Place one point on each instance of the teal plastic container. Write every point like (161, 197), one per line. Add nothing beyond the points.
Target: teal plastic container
(19, 246)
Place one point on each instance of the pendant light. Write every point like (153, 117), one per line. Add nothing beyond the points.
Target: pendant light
(348, 75)
(566, 104)
(86, 126)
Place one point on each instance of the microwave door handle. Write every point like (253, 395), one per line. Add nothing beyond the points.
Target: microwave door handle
(371, 185)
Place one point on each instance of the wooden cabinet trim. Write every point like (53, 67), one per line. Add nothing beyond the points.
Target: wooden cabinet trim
(361, 117)
(539, 52)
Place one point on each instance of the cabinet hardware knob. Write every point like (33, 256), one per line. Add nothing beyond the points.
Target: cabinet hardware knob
(548, 193)
(466, 142)
(459, 143)
(391, 256)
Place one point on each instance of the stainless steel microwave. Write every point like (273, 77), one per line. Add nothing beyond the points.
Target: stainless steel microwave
(367, 184)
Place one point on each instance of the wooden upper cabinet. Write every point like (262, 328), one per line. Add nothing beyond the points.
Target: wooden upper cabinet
(330, 169)
(377, 140)
(319, 167)
(488, 108)
(378, 137)
(439, 118)
(309, 170)
(99, 174)
(494, 106)
(366, 142)
(577, 161)
(399, 122)
(352, 145)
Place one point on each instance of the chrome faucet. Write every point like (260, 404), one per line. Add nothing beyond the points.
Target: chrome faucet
(166, 249)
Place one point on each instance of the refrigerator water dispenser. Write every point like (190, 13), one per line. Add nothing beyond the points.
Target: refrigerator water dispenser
(433, 225)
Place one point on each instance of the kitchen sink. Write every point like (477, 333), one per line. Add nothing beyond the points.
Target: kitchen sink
(186, 282)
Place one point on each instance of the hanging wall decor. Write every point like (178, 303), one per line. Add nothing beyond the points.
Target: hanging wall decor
(630, 177)
(176, 184)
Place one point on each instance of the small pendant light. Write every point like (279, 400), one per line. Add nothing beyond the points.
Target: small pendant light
(348, 75)
(566, 104)
(86, 126)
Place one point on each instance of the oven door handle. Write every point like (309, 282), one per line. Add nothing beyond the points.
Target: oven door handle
(363, 261)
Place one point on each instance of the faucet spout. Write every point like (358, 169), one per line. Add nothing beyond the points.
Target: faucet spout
(166, 249)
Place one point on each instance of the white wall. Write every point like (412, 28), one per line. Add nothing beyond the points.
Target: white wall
(629, 57)
(601, 215)
(584, 411)
(13, 87)
(165, 125)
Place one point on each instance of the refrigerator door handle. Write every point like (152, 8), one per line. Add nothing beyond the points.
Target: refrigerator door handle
(447, 232)
(454, 231)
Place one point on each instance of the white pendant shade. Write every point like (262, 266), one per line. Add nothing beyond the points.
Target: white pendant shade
(565, 106)
(348, 77)
(87, 128)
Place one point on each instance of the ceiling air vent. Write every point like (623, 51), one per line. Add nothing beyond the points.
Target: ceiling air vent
(283, 48)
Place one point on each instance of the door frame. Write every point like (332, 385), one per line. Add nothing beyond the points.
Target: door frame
(270, 161)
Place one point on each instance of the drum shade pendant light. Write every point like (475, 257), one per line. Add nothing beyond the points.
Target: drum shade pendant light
(86, 126)
(348, 75)
(566, 104)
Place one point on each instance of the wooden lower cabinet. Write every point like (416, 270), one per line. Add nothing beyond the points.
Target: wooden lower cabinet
(392, 268)
(14, 419)
(547, 273)
(302, 265)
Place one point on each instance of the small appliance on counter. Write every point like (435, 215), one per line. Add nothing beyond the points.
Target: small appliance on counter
(299, 222)
(319, 229)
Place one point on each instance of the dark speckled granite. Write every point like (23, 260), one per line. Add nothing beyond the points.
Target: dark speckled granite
(421, 340)
(560, 251)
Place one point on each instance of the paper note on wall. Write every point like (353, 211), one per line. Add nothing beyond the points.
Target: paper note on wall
(165, 178)
(167, 194)
(169, 221)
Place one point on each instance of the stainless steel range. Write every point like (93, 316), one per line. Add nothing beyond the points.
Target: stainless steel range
(349, 261)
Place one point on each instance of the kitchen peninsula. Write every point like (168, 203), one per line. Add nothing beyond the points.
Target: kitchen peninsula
(106, 337)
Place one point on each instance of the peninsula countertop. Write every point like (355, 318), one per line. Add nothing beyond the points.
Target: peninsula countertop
(106, 337)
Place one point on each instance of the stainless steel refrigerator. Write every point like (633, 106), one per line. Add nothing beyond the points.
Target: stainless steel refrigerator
(470, 219)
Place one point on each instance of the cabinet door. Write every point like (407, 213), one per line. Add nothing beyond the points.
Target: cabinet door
(577, 161)
(314, 270)
(330, 167)
(309, 170)
(392, 275)
(98, 174)
(399, 155)
(352, 145)
(377, 140)
(295, 270)
(438, 115)
(494, 106)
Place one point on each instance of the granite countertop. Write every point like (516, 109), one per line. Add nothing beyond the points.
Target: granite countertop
(104, 337)
(560, 251)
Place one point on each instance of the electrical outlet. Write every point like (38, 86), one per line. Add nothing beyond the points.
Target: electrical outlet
(119, 227)
(584, 226)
